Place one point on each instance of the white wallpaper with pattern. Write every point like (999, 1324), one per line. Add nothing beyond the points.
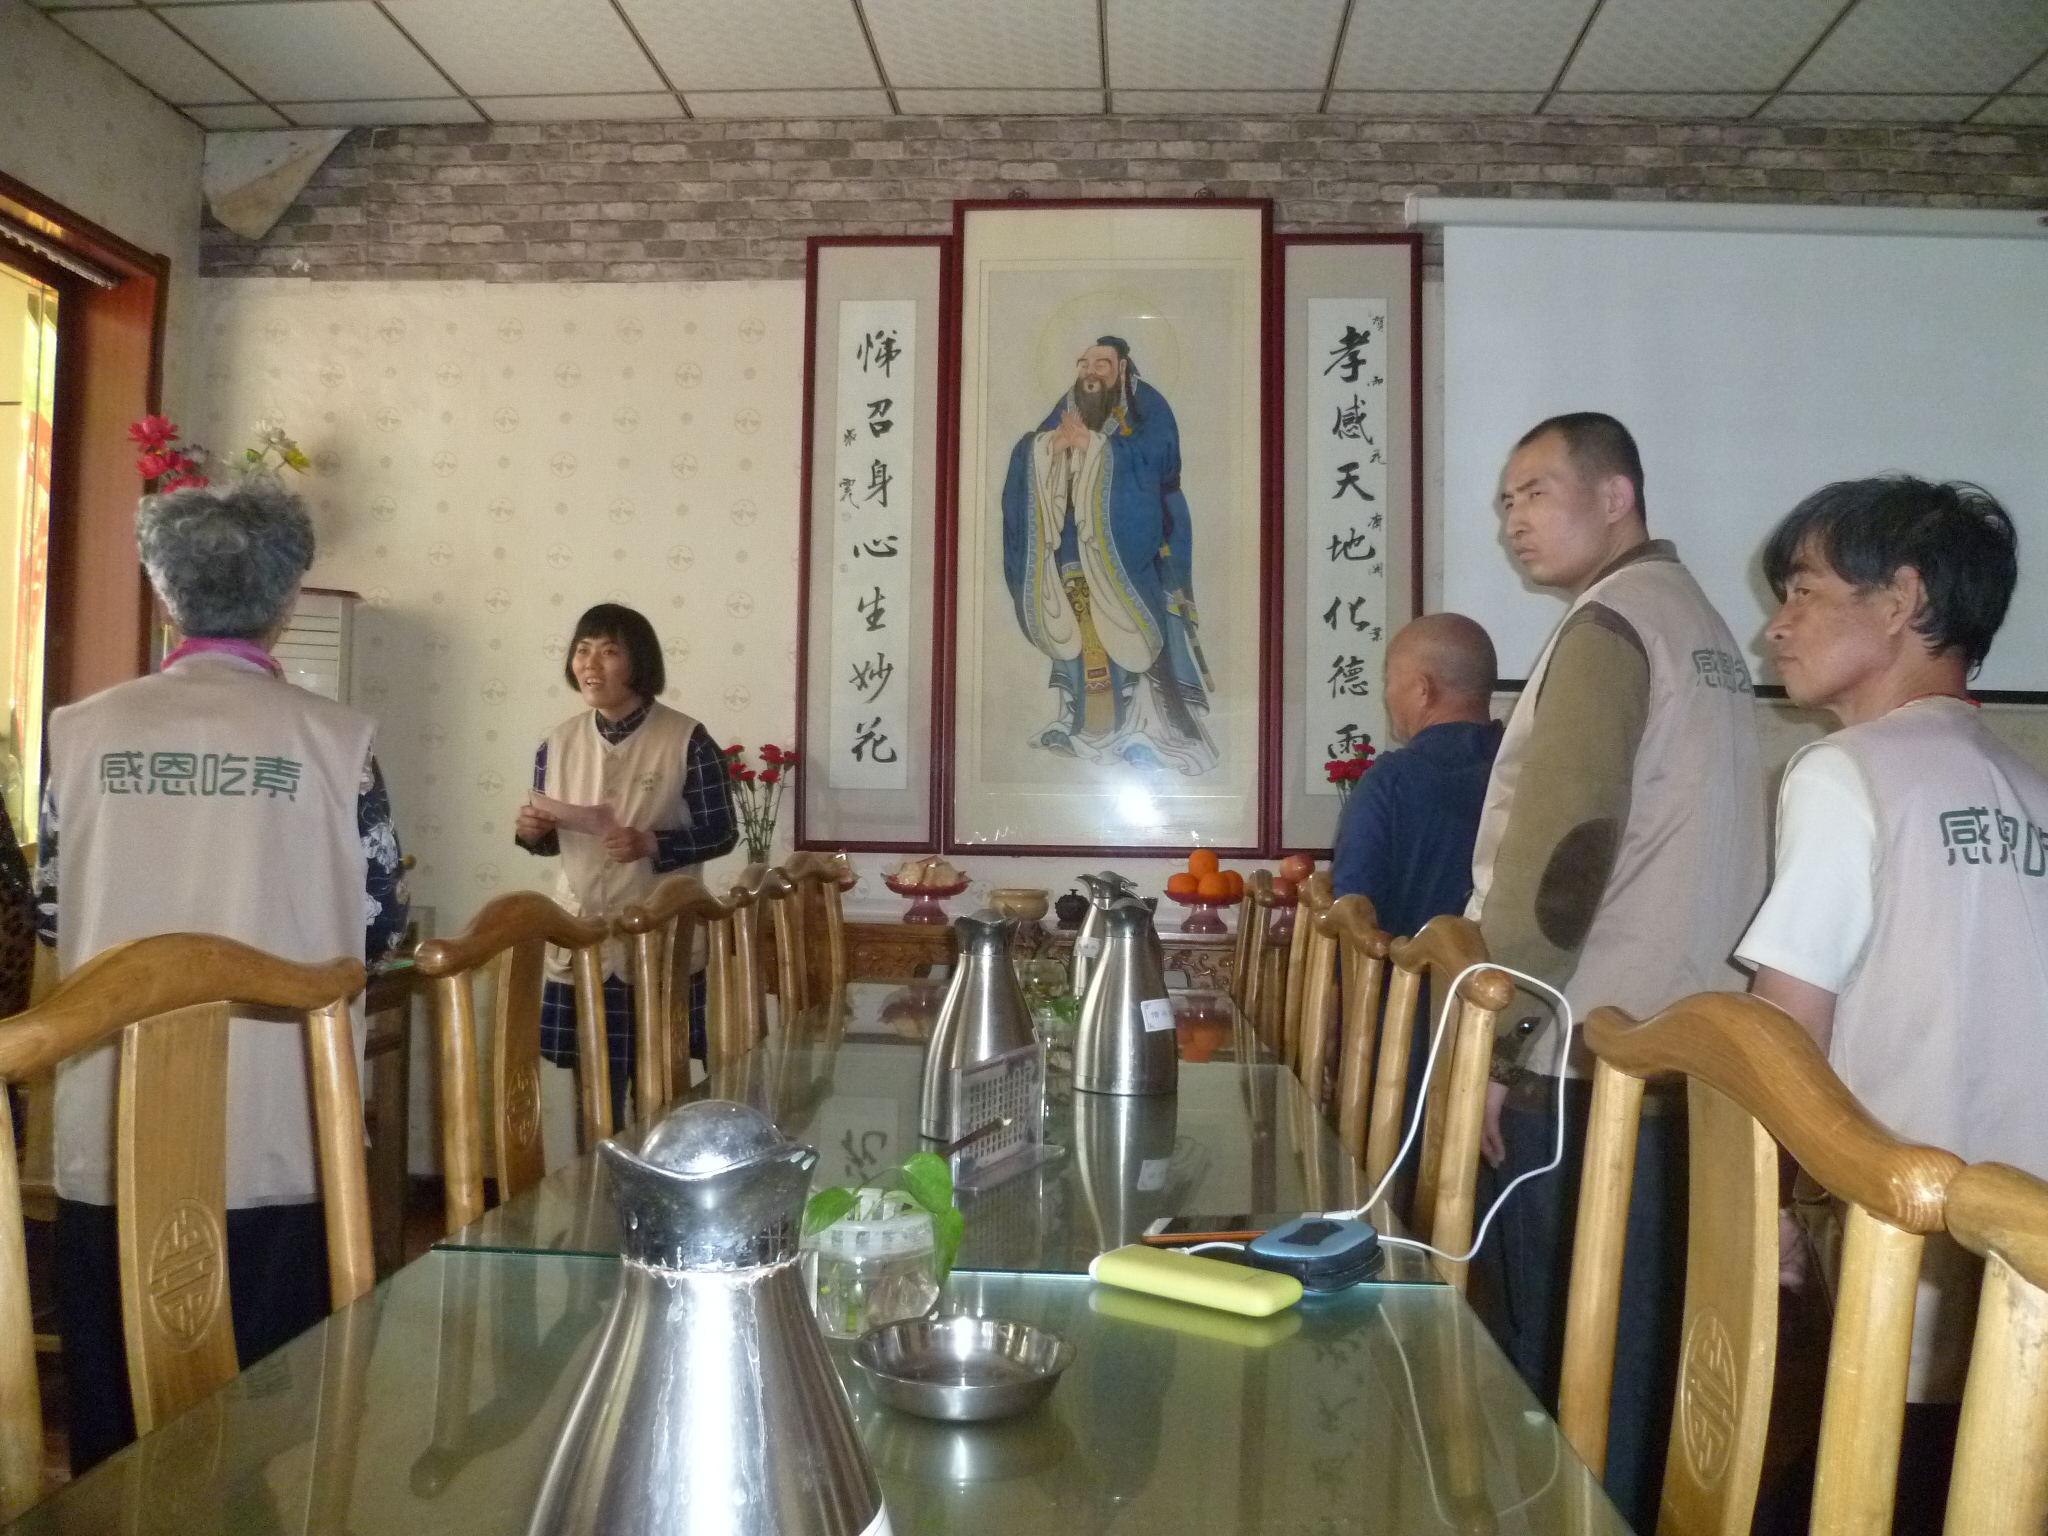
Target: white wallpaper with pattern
(491, 460)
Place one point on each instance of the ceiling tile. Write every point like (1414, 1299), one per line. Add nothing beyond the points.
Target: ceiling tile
(1251, 103)
(773, 104)
(1000, 103)
(1703, 45)
(1911, 45)
(580, 109)
(1434, 103)
(1458, 45)
(2014, 109)
(2034, 82)
(1223, 45)
(1047, 44)
(552, 46)
(231, 119)
(310, 50)
(756, 45)
(1873, 107)
(1654, 104)
(366, 114)
(152, 53)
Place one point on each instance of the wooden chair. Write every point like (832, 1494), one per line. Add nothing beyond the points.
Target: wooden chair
(1454, 1094)
(1353, 927)
(757, 892)
(1308, 1043)
(1296, 982)
(810, 931)
(511, 935)
(168, 1001)
(1247, 946)
(2000, 1486)
(661, 941)
(1753, 1075)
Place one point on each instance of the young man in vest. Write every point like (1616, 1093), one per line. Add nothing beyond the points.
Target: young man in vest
(188, 800)
(1907, 923)
(1619, 855)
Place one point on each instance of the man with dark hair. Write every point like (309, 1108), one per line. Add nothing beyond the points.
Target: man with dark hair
(1099, 559)
(1619, 854)
(1907, 922)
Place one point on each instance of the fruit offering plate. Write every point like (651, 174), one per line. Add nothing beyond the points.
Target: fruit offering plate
(924, 899)
(1205, 915)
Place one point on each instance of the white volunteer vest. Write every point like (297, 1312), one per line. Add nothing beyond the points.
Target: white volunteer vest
(1690, 869)
(641, 779)
(211, 798)
(1940, 1030)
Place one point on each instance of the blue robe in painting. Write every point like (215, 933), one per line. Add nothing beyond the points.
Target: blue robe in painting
(1116, 520)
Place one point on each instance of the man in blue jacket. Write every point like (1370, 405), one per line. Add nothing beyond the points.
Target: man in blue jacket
(1405, 839)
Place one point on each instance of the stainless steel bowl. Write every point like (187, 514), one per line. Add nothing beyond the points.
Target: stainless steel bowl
(963, 1369)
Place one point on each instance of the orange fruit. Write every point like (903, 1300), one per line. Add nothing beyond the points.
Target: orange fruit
(1213, 887)
(1236, 883)
(1180, 885)
(1202, 862)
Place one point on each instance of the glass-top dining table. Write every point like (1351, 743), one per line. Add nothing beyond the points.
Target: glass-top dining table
(1239, 1137)
(433, 1405)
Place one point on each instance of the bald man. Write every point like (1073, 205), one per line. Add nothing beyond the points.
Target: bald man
(1405, 839)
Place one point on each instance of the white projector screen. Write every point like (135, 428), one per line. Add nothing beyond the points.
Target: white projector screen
(1752, 368)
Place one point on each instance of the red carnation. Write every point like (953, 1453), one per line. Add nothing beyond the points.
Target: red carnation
(771, 776)
(747, 775)
(155, 463)
(789, 759)
(152, 432)
(771, 754)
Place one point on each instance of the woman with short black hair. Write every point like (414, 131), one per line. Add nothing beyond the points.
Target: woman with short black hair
(662, 780)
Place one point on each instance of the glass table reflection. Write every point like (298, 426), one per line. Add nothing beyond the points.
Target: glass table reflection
(1239, 1137)
(431, 1407)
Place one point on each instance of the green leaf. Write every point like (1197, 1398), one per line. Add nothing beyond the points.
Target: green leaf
(948, 1227)
(254, 455)
(928, 1178)
(826, 1207)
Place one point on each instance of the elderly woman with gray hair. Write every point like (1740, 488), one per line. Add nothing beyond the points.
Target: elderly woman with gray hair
(213, 797)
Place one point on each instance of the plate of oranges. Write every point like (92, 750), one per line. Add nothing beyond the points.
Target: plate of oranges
(1204, 887)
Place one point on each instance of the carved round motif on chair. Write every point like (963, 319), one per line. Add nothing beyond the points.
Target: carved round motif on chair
(522, 1105)
(185, 1272)
(1708, 1386)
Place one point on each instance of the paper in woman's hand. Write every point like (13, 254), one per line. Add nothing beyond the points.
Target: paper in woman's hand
(591, 820)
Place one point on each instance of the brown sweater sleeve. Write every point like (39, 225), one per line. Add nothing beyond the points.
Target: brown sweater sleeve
(1565, 825)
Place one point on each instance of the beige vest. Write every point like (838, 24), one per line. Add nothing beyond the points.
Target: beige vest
(1690, 870)
(212, 798)
(1941, 1029)
(641, 779)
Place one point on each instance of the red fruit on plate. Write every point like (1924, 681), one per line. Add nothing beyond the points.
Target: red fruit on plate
(1297, 867)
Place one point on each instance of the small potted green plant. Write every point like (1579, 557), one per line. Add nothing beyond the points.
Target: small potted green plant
(880, 1252)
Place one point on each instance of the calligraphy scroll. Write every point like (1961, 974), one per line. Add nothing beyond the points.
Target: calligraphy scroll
(1344, 452)
(873, 485)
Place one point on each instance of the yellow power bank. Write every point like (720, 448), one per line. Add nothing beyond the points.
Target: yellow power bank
(1199, 1322)
(1192, 1278)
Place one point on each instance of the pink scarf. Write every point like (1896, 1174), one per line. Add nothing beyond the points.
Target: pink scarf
(247, 650)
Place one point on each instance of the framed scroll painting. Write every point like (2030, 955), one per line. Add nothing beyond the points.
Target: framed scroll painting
(1109, 610)
(876, 420)
(1351, 429)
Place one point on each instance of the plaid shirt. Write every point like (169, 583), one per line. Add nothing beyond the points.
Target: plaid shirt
(712, 831)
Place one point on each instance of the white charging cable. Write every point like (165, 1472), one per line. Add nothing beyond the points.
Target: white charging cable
(1564, 1046)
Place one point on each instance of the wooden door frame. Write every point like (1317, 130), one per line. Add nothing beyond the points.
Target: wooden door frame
(110, 347)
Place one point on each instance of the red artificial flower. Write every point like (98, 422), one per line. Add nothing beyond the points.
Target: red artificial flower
(155, 463)
(152, 432)
(788, 759)
(771, 775)
(735, 752)
(1336, 770)
(747, 775)
(186, 481)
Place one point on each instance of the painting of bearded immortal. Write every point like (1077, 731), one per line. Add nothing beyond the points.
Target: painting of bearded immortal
(1109, 522)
